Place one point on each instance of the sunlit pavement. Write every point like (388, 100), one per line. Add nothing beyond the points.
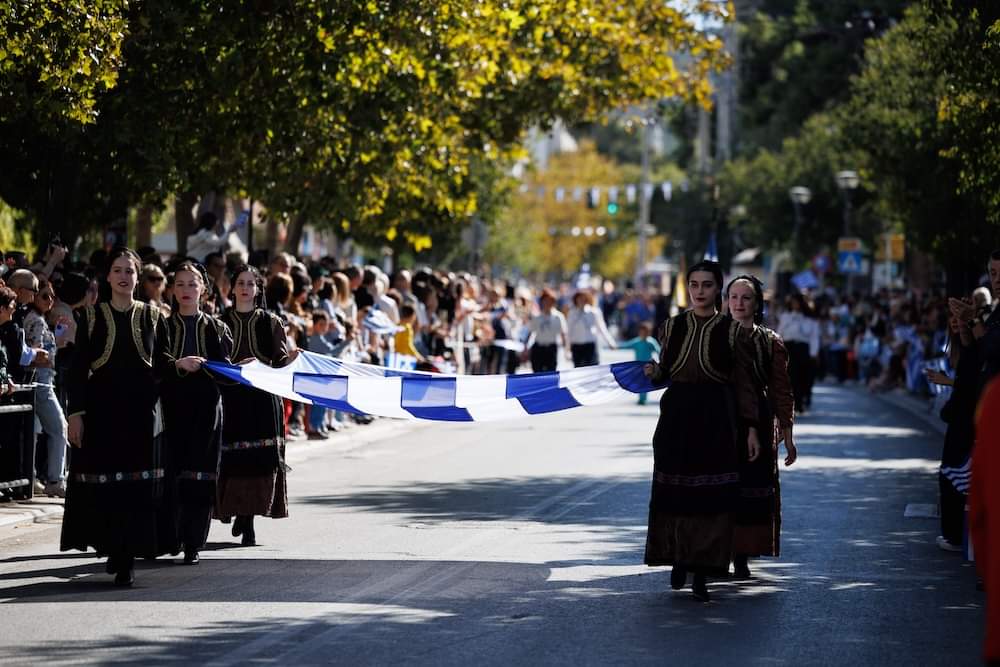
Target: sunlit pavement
(521, 543)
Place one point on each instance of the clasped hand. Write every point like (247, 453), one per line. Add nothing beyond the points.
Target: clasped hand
(190, 364)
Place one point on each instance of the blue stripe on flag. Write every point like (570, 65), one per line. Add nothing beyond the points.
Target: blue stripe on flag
(540, 392)
(629, 376)
(330, 391)
(432, 398)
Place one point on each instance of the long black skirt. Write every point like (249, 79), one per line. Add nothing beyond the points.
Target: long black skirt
(115, 488)
(192, 408)
(252, 472)
(695, 486)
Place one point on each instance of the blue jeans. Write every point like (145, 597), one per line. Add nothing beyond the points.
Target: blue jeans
(316, 415)
(49, 419)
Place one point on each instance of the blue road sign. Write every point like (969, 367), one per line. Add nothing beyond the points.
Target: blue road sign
(849, 262)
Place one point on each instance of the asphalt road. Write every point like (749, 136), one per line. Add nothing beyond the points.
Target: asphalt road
(521, 543)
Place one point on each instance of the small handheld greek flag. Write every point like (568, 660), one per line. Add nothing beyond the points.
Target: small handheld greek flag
(405, 394)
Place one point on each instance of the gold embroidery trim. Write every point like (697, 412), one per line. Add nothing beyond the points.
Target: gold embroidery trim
(237, 330)
(704, 346)
(177, 343)
(687, 344)
(91, 320)
(140, 347)
(109, 341)
(202, 325)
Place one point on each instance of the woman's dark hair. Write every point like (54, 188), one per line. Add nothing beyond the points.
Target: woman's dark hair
(261, 300)
(207, 220)
(279, 289)
(104, 289)
(716, 270)
(326, 290)
(73, 288)
(7, 296)
(758, 295)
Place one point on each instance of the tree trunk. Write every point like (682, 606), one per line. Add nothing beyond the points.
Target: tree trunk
(184, 219)
(144, 226)
(293, 238)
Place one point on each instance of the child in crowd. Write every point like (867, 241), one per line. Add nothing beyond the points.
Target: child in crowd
(404, 337)
(645, 347)
(322, 341)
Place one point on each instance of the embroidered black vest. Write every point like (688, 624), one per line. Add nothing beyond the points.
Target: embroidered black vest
(210, 332)
(142, 325)
(715, 347)
(762, 339)
(257, 330)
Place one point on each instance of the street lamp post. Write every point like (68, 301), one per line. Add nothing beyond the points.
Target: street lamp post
(644, 202)
(800, 196)
(847, 183)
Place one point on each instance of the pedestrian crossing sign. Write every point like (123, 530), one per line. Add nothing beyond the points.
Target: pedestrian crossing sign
(849, 262)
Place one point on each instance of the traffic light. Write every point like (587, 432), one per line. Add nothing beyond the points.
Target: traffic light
(612, 208)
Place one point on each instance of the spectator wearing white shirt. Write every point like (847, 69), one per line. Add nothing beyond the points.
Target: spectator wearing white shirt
(800, 332)
(586, 326)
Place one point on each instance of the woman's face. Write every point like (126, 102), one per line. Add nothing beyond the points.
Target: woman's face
(188, 289)
(123, 277)
(44, 299)
(742, 301)
(703, 289)
(7, 311)
(245, 289)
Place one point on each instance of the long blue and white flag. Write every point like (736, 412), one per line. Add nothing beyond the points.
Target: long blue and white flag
(387, 392)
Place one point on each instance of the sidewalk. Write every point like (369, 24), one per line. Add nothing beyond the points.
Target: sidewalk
(921, 408)
(40, 509)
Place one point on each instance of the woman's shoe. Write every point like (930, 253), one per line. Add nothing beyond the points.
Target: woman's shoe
(238, 526)
(191, 558)
(249, 538)
(741, 569)
(678, 578)
(111, 567)
(126, 571)
(125, 578)
(700, 588)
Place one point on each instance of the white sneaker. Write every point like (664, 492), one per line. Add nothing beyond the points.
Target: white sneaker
(56, 489)
(946, 545)
(38, 489)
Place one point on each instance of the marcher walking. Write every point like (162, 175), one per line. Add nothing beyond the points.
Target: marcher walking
(548, 329)
(696, 451)
(192, 409)
(116, 474)
(758, 518)
(252, 474)
(586, 327)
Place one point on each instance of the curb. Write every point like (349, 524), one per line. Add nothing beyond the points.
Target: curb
(917, 407)
(20, 514)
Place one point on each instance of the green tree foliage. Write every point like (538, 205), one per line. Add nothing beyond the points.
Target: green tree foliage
(796, 60)
(56, 58)
(367, 116)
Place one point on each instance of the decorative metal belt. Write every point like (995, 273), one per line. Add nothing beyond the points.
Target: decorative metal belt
(104, 478)
(251, 444)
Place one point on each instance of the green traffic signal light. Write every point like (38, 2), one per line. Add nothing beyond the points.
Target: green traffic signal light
(612, 208)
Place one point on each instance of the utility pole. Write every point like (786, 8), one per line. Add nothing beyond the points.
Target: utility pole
(645, 195)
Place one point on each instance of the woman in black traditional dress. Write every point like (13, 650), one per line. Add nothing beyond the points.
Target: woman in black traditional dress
(696, 447)
(117, 476)
(758, 519)
(192, 410)
(252, 475)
